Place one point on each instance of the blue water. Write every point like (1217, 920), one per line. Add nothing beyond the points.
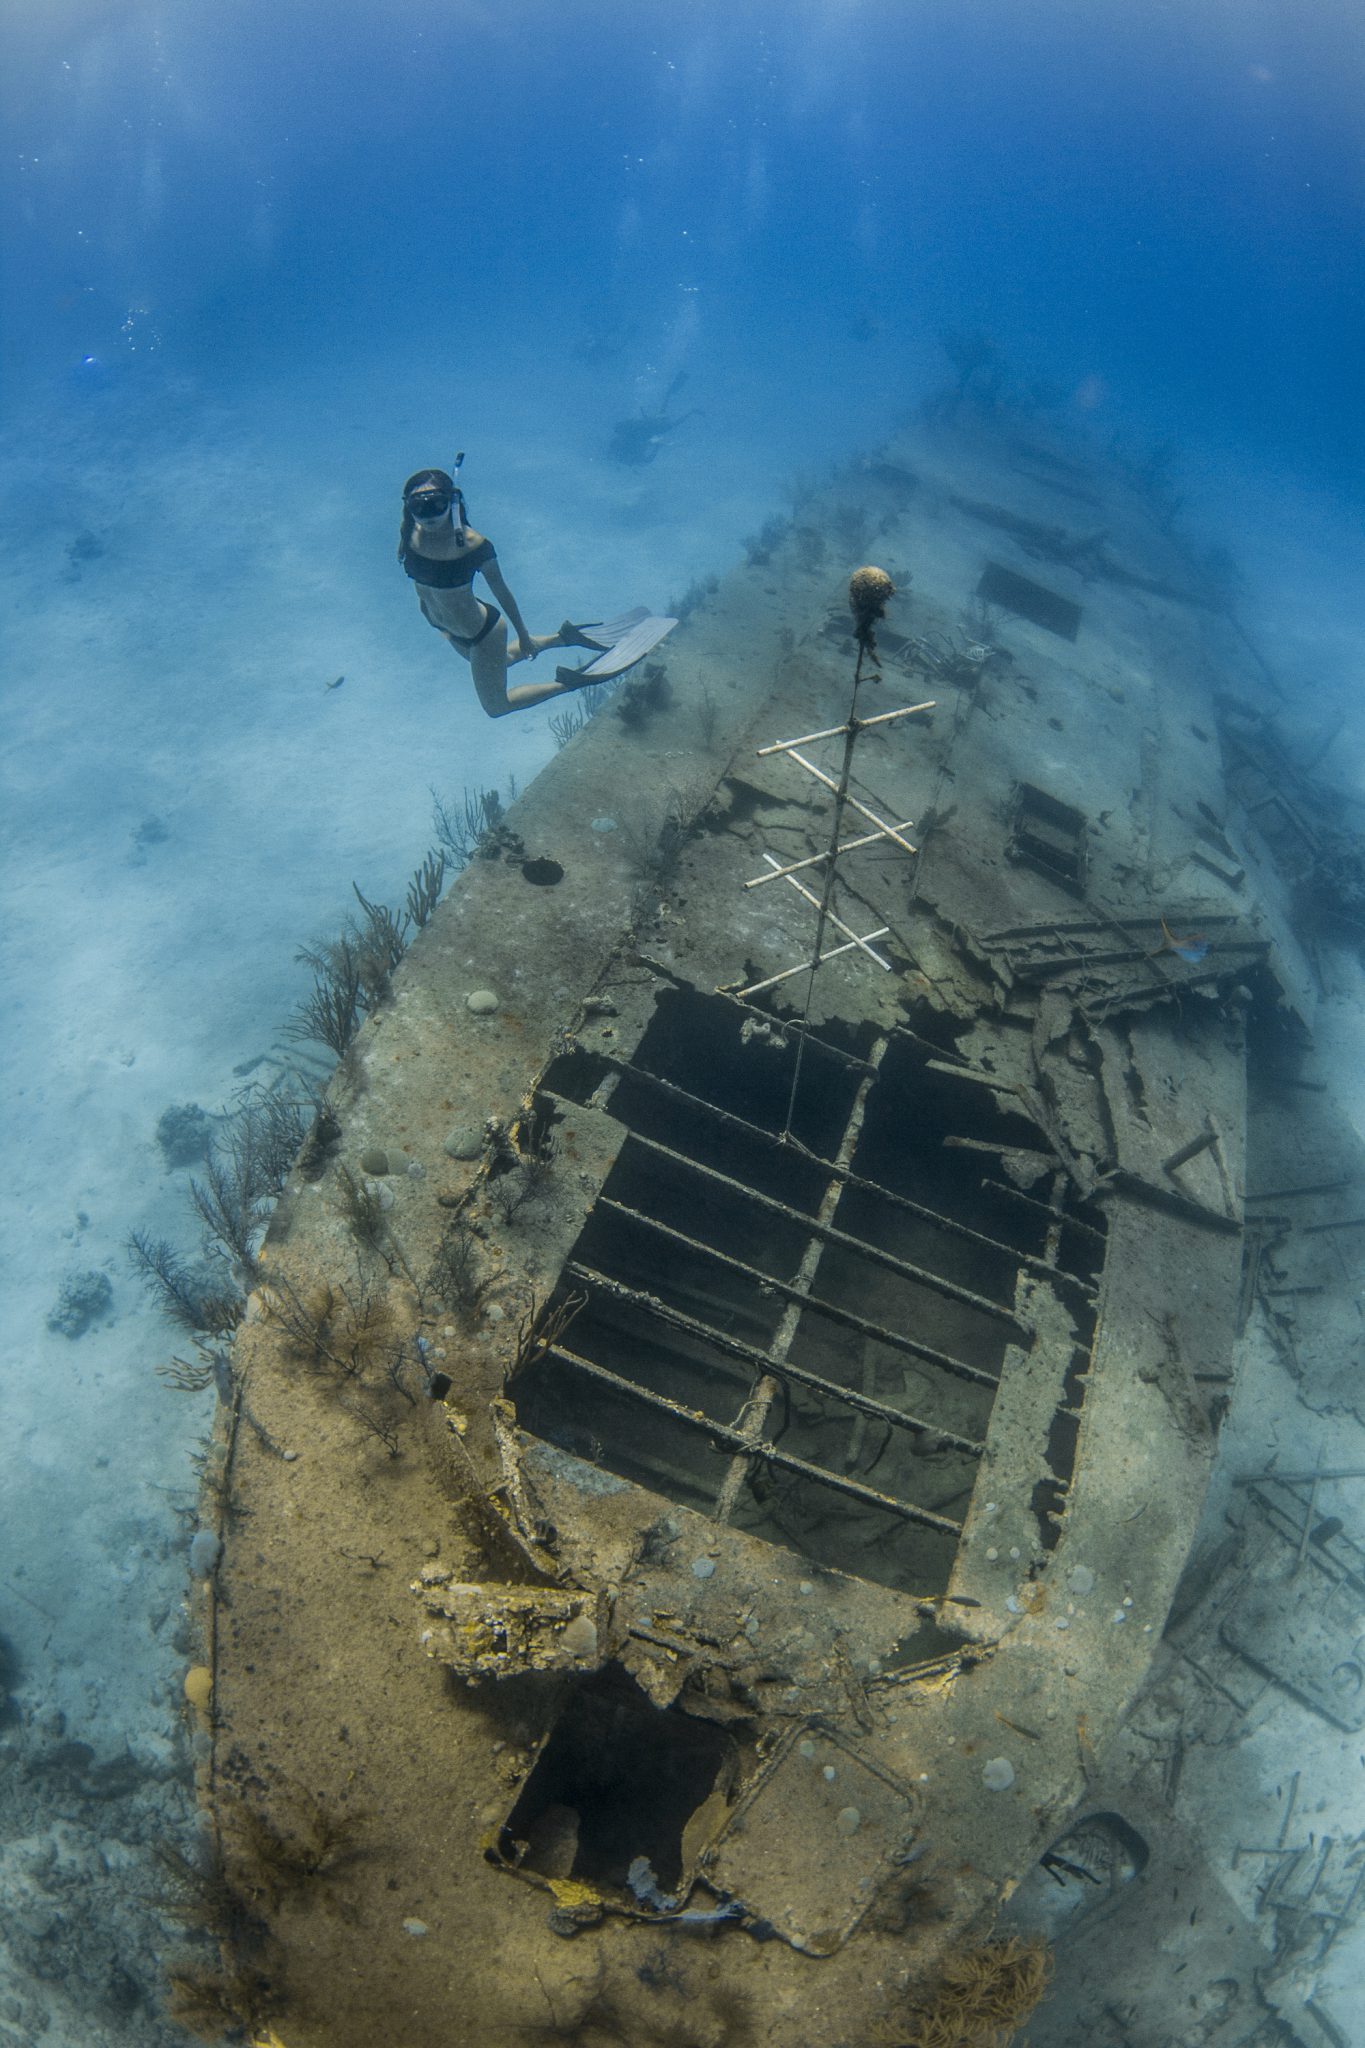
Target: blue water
(1165, 198)
(259, 262)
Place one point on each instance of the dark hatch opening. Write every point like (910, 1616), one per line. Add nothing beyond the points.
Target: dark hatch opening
(1050, 836)
(1029, 600)
(617, 1779)
(856, 1293)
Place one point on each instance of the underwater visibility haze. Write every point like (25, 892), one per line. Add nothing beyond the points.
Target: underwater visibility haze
(657, 283)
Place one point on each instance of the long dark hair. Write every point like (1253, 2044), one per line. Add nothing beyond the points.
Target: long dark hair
(430, 480)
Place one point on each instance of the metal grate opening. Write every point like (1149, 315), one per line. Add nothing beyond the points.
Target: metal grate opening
(1050, 836)
(806, 1347)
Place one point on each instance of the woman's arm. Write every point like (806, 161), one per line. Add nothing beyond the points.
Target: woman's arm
(497, 583)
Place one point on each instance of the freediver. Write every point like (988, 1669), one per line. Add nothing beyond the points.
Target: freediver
(442, 553)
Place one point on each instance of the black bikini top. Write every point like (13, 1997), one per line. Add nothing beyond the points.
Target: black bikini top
(453, 573)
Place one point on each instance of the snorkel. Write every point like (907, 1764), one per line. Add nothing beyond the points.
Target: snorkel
(457, 500)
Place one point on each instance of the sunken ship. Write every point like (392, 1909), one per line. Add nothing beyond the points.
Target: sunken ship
(730, 1388)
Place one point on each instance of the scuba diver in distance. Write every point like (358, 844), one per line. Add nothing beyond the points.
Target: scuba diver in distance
(442, 553)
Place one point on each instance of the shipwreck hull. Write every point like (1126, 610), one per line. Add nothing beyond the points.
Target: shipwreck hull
(817, 1399)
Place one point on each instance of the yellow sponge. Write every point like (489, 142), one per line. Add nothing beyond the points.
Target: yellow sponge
(199, 1687)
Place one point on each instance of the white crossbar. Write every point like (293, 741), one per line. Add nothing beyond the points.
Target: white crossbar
(803, 966)
(837, 922)
(889, 831)
(833, 731)
(814, 859)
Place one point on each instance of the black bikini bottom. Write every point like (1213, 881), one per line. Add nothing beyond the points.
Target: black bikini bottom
(491, 615)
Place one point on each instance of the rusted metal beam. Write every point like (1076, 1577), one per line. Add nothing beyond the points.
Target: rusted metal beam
(1123, 998)
(1057, 963)
(1001, 1187)
(1063, 926)
(997, 1083)
(773, 1140)
(894, 1339)
(753, 1418)
(726, 1437)
(830, 732)
(923, 1276)
(765, 1361)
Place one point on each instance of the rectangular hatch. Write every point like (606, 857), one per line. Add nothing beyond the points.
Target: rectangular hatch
(1029, 600)
(801, 1338)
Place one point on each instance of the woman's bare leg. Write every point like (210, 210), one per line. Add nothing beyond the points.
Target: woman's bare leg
(489, 662)
(538, 642)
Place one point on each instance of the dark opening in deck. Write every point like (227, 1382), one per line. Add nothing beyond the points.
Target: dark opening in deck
(1029, 600)
(802, 1339)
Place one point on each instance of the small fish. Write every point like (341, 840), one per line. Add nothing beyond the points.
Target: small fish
(336, 685)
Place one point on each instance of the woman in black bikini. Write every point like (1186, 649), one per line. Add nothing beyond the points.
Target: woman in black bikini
(443, 554)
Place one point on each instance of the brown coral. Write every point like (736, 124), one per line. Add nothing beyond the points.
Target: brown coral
(869, 592)
(984, 1994)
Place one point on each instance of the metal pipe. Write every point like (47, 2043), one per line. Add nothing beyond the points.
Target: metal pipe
(756, 988)
(833, 917)
(887, 831)
(1190, 1151)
